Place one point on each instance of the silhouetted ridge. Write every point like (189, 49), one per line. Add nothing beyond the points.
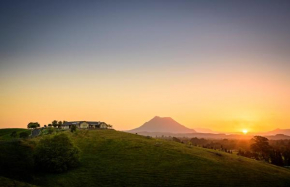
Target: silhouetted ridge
(279, 131)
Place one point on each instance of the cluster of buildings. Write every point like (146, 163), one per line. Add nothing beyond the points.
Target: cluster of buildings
(85, 125)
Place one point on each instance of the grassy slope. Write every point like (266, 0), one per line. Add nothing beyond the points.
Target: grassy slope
(6, 182)
(5, 133)
(111, 158)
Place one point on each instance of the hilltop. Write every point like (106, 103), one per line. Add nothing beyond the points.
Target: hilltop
(163, 124)
(112, 158)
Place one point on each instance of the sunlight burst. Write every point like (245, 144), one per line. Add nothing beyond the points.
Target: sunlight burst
(245, 131)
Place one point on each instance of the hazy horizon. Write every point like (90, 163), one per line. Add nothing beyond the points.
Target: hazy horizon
(220, 65)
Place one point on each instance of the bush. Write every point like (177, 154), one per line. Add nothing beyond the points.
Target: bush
(16, 160)
(23, 135)
(50, 130)
(73, 128)
(56, 154)
(176, 139)
(13, 134)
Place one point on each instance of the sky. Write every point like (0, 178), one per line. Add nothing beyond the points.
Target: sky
(222, 65)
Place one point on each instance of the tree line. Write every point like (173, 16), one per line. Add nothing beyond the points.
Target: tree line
(275, 152)
(278, 153)
(54, 123)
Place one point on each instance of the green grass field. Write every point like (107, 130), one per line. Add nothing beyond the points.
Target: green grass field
(5, 133)
(112, 158)
(5, 182)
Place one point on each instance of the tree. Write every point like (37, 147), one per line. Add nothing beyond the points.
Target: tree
(276, 158)
(33, 125)
(24, 135)
(261, 148)
(286, 155)
(59, 124)
(49, 125)
(56, 154)
(73, 128)
(54, 123)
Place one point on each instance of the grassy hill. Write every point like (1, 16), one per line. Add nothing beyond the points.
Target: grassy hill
(5, 133)
(6, 182)
(112, 158)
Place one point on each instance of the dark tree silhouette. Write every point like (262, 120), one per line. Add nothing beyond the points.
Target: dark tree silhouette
(59, 124)
(33, 125)
(276, 158)
(73, 128)
(261, 148)
(23, 135)
(56, 154)
(54, 123)
(286, 155)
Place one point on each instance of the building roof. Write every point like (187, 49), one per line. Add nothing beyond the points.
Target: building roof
(79, 122)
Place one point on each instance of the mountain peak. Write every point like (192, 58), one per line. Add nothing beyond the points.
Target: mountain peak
(163, 124)
(161, 118)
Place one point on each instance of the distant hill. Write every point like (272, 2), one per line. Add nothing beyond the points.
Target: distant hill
(163, 124)
(279, 131)
(278, 137)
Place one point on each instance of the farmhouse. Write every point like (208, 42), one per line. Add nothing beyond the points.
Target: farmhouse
(85, 125)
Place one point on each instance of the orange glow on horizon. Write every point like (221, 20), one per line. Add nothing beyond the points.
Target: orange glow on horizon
(219, 100)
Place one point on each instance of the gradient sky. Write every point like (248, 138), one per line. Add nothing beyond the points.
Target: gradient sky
(222, 65)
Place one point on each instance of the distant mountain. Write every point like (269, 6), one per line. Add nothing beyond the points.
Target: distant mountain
(163, 124)
(203, 130)
(279, 131)
(278, 137)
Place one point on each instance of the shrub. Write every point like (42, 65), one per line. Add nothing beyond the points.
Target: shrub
(13, 134)
(50, 130)
(176, 139)
(56, 154)
(23, 135)
(16, 160)
(73, 128)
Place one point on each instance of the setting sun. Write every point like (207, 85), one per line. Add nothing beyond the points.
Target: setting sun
(245, 131)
